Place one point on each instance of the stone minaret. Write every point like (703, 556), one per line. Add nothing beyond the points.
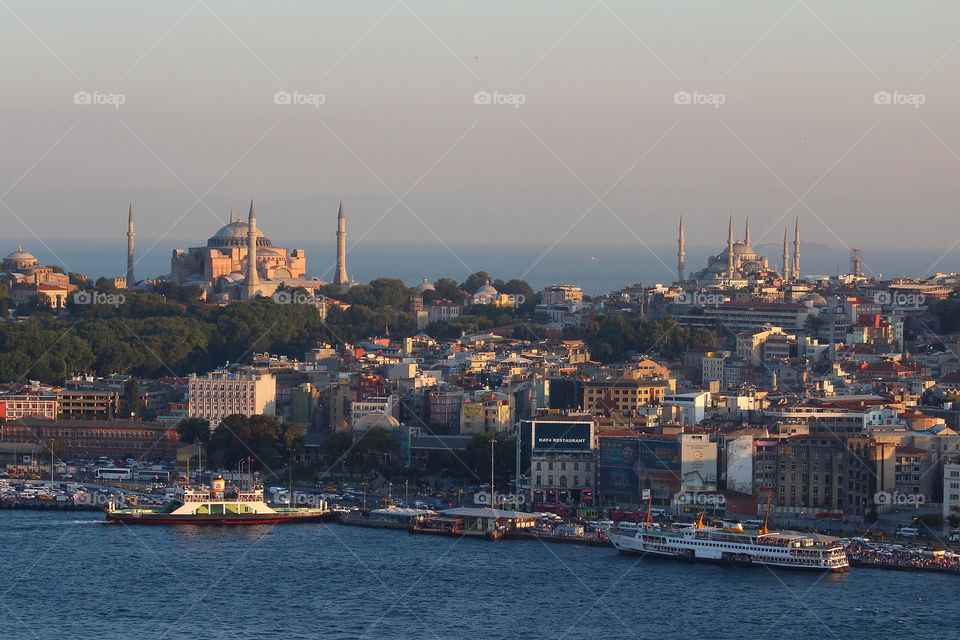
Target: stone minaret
(340, 278)
(746, 232)
(730, 249)
(130, 235)
(681, 252)
(796, 250)
(253, 278)
(786, 256)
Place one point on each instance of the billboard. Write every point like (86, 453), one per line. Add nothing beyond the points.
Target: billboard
(698, 467)
(740, 464)
(543, 436)
(627, 466)
(562, 436)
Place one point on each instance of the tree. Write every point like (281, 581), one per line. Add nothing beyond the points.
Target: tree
(194, 430)
(476, 456)
(335, 449)
(130, 403)
(269, 441)
(474, 281)
(54, 448)
(446, 289)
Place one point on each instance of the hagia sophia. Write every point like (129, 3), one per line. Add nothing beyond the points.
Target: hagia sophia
(226, 269)
(223, 270)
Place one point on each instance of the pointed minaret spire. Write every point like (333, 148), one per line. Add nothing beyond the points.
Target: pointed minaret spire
(253, 278)
(746, 232)
(730, 248)
(786, 256)
(340, 277)
(130, 235)
(796, 249)
(681, 252)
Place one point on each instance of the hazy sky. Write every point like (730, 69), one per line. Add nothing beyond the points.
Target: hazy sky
(798, 130)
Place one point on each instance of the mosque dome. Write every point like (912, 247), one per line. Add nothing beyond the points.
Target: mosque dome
(234, 234)
(486, 290)
(814, 300)
(20, 254)
(426, 285)
(375, 419)
(20, 258)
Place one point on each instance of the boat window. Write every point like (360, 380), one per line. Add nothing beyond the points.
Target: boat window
(203, 509)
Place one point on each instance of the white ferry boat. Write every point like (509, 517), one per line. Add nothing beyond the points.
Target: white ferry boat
(216, 505)
(731, 543)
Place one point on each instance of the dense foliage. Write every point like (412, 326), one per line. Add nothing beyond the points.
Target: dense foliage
(613, 338)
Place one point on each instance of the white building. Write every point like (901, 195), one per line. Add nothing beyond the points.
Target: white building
(951, 489)
(221, 393)
(694, 405)
(561, 294)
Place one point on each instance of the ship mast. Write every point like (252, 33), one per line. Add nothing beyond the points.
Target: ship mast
(766, 516)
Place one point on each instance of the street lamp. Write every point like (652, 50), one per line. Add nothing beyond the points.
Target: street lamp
(493, 495)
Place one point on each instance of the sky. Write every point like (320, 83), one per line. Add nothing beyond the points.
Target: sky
(539, 122)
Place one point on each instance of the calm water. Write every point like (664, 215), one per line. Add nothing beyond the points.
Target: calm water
(65, 575)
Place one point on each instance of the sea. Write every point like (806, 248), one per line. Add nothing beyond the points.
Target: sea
(596, 268)
(70, 575)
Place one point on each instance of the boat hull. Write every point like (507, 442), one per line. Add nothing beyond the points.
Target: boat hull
(211, 519)
(632, 546)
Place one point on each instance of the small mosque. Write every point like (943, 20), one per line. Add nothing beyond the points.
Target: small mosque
(24, 277)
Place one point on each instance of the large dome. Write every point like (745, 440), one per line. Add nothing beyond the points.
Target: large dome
(19, 258)
(375, 419)
(20, 254)
(486, 290)
(426, 285)
(235, 234)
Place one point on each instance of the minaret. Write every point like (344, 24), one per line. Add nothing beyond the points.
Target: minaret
(681, 252)
(130, 235)
(786, 256)
(340, 278)
(253, 278)
(730, 249)
(796, 250)
(746, 232)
